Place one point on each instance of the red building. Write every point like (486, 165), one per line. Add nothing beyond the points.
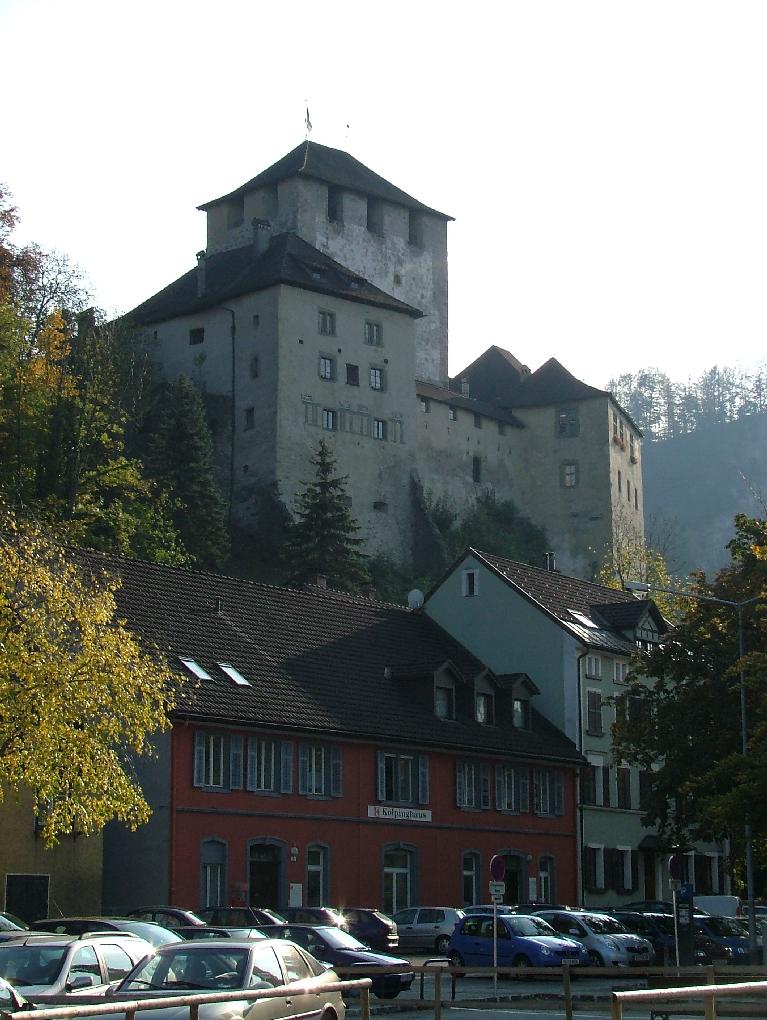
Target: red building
(335, 750)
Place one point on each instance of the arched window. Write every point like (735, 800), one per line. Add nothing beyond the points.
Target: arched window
(317, 883)
(471, 877)
(213, 873)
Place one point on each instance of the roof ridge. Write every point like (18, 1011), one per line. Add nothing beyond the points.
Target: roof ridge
(555, 573)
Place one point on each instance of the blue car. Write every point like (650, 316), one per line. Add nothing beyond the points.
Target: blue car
(729, 933)
(523, 941)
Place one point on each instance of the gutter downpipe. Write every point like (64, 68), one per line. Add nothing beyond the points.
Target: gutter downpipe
(579, 826)
(233, 336)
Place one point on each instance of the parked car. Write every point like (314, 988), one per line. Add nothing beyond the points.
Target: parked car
(43, 966)
(240, 917)
(607, 941)
(314, 915)
(9, 922)
(729, 933)
(154, 933)
(656, 928)
(649, 906)
(720, 906)
(209, 931)
(426, 927)
(169, 917)
(330, 945)
(522, 941)
(11, 1001)
(372, 927)
(487, 908)
(228, 964)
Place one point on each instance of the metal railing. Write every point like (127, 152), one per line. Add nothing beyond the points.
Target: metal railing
(129, 1007)
(709, 993)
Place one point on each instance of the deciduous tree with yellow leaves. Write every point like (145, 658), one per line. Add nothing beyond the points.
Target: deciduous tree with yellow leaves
(79, 696)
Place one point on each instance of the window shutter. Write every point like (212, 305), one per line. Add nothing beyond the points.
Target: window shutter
(335, 772)
(235, 762)
(484, 782)
(613, 862)
(286, 766)
(303, 768)
(559, 793)
(423, 779)
(460, 785)
(634, 871)
(500, 789)
(523, 789)
(381, 775)
(589, 868)
(250, 781)
(536, 791)
(199, 759)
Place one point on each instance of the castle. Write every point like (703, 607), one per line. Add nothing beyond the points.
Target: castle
(319, 307)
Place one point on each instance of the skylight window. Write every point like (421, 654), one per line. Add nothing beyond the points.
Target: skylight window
(234, 674)
(195, 668)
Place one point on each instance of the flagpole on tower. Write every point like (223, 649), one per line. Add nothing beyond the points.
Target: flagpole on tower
(308, 122)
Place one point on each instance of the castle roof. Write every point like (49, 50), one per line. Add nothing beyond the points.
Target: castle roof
(333, 166)
(552, 384)
(596, 615)
(444, 395)
(315, 660)
(288, 260)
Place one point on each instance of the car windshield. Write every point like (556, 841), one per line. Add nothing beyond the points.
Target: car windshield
(340, 939)
(528, 926)
(31, 965)
(189, 968)
(726, 926)
(601, 924)
(153, 933)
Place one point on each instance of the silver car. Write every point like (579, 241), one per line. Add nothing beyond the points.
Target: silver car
(44, 966)
(427, 928)
(607, 941)
(210, 965)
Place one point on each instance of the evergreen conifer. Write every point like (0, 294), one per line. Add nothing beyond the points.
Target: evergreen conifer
(322, 539)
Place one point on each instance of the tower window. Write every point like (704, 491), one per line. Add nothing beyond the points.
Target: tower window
(375, 215)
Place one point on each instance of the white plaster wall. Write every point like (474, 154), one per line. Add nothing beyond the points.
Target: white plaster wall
(379, 470)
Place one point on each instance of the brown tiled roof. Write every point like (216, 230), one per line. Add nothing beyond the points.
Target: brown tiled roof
(309, 159)
(595, 614)
(318, 661)
(288, 260)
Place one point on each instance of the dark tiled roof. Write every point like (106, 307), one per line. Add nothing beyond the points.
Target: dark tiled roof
(494, 354)
(288, 259)
(593, 613)
(447, 396)
(332, 166)
(552, 384)
(318, 661)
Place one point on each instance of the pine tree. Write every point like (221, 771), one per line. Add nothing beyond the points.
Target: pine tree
(180, 457)
(322, 539)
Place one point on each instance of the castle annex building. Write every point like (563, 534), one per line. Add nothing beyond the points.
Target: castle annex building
(319, 308)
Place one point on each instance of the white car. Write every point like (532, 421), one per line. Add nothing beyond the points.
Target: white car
(608, 942)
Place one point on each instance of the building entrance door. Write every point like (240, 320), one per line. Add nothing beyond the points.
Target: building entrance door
(396, 881)
(264, 876)
(513, 881)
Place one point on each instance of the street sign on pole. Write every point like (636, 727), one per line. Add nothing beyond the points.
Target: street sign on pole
(497, 888)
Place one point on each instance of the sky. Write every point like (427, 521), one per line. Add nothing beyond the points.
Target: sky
(605, 161)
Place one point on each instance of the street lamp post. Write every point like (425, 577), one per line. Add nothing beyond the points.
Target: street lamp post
(640, 586)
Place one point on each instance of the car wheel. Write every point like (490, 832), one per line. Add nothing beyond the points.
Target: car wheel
(522, 962)
(442, 945)
(595, 960)
(388, 993)
(456, 960)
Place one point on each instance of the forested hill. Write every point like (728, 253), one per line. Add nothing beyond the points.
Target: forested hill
(699, 481)
(665, 409)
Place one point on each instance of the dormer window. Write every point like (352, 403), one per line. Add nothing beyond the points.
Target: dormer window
(444, 701)
(484, 708)
(520, 709)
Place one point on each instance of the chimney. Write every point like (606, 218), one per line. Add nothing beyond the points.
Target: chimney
(200, 273)
(316, 581)
(262, 235)
(551, 562)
